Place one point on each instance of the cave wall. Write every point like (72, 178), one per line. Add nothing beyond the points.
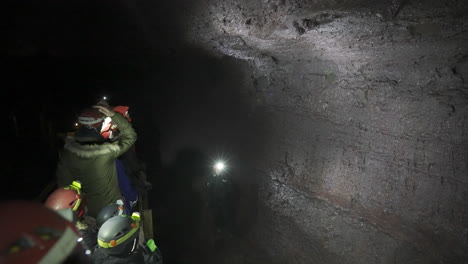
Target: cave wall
(358, 120)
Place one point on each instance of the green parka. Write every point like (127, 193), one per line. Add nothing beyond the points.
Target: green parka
(94, 166)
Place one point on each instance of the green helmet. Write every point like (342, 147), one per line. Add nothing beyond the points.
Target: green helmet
(109, 211)
(119, 234)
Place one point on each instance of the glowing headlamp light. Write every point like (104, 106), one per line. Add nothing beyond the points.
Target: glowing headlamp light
(219, 167)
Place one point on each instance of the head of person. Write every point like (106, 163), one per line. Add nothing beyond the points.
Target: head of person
(68, 197)
(90, 123)
(32, 233)
(109, 211)
(109, 129)
(118, 236)
(123, 110)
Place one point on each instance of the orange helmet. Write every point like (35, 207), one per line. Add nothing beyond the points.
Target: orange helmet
(68, 197)
(91, 117)
(32, 233)
(124, 111)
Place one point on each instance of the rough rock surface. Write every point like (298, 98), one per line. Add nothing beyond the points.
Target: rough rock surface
(358, 119)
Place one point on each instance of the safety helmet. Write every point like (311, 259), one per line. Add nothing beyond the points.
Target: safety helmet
(123, 109)
(109, 211)
(68, 197)
(119, 234)
(91, 117)
(90, 121)
(32, 233)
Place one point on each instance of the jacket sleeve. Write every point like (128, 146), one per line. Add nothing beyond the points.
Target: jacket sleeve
(127, 136)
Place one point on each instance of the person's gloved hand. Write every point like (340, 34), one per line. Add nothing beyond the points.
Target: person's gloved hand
(105, 110)
(151, 253)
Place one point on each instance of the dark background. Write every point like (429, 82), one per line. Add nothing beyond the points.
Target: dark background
(60, 57)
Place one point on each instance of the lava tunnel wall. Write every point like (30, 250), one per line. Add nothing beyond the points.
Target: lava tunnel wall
(355, 119)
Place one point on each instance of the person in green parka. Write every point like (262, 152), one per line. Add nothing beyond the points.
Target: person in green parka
(90, 159)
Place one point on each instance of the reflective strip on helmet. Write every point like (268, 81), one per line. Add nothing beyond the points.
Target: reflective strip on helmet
(76, 186)
(114, 243)
(136, 216)
(89, 120)
(77, 204)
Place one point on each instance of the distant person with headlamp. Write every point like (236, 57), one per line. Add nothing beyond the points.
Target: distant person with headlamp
(220, 198)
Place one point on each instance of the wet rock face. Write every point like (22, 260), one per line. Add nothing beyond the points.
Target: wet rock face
(364, 112)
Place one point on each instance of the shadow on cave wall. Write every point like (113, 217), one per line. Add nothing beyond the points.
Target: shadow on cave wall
(184, 222)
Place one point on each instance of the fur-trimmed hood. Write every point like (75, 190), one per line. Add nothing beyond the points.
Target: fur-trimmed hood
(90, 150)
